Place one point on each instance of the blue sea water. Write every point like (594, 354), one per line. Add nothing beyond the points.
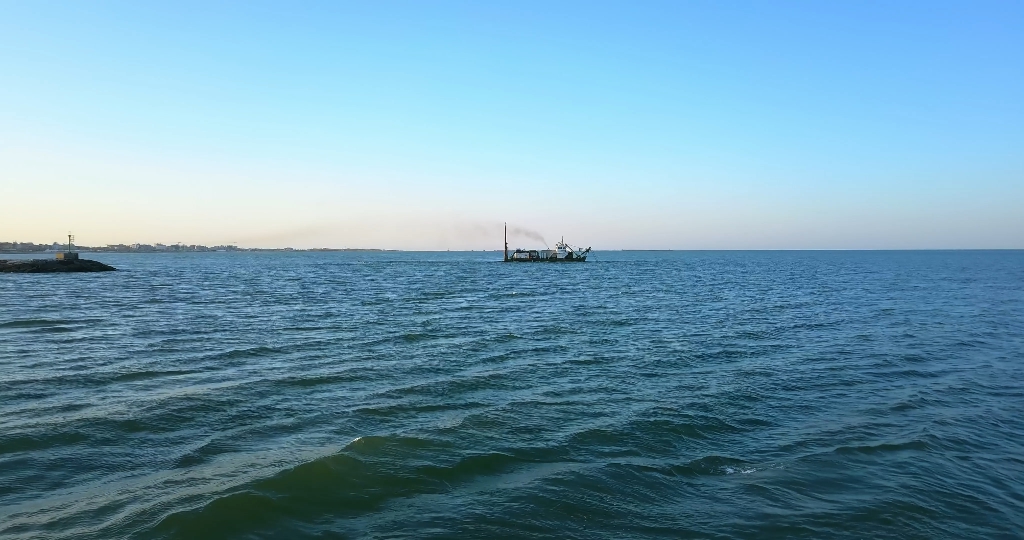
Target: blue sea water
(447, 395)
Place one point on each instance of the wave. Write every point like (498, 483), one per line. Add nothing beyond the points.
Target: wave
(712, 465)
(151, 374)
(643, 436)
(908, 446)
(53, 330)
(399, 409)
(914, 403)
(413, 337)
(319, 380)
(391, 444)
(46, 326)
(203, 453)
(29, 443)
(34, 323)
(340, 485)
(446, 387)
(237, 354)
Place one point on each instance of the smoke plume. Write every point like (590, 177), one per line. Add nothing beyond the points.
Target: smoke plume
(527, 233)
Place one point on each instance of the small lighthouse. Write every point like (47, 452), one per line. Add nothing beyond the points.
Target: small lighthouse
(68, 255)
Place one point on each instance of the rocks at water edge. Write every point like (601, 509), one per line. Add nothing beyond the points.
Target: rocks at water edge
(41, 266)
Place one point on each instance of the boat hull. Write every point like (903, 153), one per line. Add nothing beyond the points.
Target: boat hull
(573, 260)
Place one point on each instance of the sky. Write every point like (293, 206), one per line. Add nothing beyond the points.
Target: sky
(427, 124)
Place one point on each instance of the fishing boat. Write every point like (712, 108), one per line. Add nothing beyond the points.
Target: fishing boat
(562, 253)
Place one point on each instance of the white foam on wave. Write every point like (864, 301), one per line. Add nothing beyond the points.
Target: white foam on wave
(741, 470)
(748, 470)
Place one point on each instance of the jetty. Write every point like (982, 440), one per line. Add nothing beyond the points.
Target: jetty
(40, 266)
(65, 261)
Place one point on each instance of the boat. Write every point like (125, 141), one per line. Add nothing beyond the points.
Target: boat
(562, 253)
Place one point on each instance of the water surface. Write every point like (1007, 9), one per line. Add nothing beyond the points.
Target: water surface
(641, 395)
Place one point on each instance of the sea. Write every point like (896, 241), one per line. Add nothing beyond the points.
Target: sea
(683, 394)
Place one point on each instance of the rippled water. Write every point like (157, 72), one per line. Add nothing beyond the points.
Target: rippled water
(703, 394)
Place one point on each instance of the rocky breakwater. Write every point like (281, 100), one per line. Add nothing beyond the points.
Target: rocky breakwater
(41, 266)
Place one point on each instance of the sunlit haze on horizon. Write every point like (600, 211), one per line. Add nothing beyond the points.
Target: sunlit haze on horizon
(426, 125)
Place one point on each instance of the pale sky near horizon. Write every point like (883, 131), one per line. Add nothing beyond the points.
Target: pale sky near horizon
(425, 125)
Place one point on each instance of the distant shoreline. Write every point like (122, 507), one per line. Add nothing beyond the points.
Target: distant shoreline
(170, 251)
(51, 253)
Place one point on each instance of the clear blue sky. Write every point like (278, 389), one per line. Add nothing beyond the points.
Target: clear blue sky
(424, 125)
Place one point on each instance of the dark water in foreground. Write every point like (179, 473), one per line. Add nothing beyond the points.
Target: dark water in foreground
(687, 394)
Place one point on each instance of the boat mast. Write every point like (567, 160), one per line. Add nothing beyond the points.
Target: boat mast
(506, 241)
